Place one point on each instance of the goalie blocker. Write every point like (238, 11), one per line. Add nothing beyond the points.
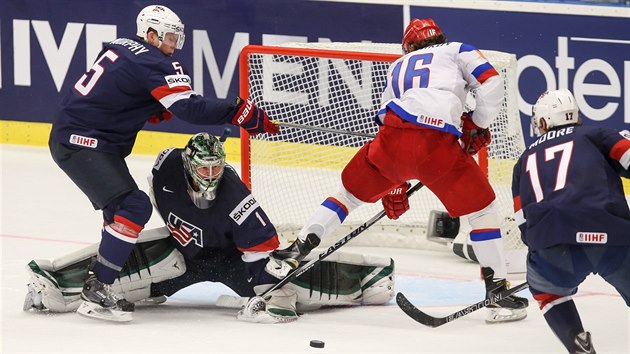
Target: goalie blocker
(345, 279)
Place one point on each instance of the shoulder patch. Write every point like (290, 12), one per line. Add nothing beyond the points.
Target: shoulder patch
(244, 209)
(178, 80)
(161, 157)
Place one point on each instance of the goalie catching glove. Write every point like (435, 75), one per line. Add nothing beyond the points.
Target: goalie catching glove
(474, 138)
(396, 202)
(252, 118)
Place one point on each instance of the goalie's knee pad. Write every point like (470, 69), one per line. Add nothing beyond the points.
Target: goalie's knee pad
(150, 262)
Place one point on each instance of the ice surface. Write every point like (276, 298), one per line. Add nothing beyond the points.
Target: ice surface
(43, 215)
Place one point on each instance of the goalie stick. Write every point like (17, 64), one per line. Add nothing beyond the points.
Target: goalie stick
(356, 232)
(322, 129)
(433, 322)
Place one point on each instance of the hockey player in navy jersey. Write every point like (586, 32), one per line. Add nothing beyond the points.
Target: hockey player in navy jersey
(133, 80)
(421, 123)
(572, 212)
(215, 231)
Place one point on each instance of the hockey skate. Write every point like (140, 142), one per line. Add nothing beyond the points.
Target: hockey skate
(513, 308)
(295, 253)
(583, 344)
(100, 302)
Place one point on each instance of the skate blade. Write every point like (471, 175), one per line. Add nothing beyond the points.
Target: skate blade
(92, 310)
(498, 315)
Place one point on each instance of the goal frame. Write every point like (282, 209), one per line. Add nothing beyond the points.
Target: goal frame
(482, 156)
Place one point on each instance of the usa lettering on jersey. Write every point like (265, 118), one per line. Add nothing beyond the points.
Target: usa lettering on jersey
(244, 209)
(183, 231)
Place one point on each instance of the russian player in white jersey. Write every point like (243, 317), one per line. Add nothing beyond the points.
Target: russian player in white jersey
(421, 122)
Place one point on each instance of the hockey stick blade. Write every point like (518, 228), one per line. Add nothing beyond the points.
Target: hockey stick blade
(433, 322)
(322, 129)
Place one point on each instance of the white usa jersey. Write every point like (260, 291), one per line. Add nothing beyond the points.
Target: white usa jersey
(428, 87)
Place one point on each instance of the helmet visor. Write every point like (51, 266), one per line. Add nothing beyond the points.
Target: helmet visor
(174, 40)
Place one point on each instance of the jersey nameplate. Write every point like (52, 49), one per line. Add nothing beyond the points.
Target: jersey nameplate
(243, 209)
(161, 157)
(591, 237)
(83, 141)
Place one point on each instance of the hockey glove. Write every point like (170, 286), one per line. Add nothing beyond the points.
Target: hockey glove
(252, 118)
(395, 202)
(159, 117)
(280, 306)
(474, 138)
(278, 268)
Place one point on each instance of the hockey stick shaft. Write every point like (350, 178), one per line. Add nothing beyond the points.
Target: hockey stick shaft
(356, 232)
(322, 129)
(428, 320)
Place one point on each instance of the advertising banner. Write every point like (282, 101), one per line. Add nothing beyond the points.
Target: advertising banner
(47, 45)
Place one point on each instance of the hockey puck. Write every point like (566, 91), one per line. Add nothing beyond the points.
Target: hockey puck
(317, 344)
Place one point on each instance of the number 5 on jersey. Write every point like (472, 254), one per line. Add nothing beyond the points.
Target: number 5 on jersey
(83, 87)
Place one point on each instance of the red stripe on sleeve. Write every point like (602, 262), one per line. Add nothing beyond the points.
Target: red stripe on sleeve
(619, 149)
(163, 91)
(269, 245)
(486, 75)
(517, 203)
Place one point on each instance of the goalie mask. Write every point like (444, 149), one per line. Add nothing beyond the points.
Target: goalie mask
(163, 21)
(204, 161)
(421, 33)
(556, 108)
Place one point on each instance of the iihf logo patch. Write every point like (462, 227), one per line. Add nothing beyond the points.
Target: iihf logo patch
(83, 141)
(183, 231)
(591, 237)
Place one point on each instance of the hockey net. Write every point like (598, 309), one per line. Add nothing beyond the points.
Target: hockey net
(338, 86)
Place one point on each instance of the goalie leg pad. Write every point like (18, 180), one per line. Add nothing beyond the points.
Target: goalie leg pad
(150, 262)
(345, 279)
(45, 291)
(60, 287)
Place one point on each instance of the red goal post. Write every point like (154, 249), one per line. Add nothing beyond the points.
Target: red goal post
(338, 86)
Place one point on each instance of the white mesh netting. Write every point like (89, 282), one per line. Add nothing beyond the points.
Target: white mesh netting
(294, 171)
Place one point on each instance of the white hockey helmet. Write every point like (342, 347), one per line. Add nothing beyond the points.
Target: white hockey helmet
(557, 108)
(163, 21)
